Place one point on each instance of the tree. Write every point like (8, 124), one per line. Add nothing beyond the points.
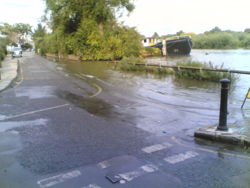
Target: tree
(39, 37)
(22, 29)
(15, 32)
(215, 29)
(10, 33)
(68, 14)
(39, 32)
(6, 29)
(247, 30)
(179, 33)
(88, 28)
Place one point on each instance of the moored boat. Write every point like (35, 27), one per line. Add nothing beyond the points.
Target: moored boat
(175, 46)
(180, 46)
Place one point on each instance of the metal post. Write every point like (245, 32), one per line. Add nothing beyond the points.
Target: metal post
(223, 105)
(245, 99)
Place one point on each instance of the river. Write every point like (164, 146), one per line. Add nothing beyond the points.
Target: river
(197, 99)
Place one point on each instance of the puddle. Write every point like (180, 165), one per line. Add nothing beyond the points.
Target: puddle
(94, 106)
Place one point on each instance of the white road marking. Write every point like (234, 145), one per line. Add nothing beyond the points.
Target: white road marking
(157, 147)
(122, 181)
(209, 150)
(181, 157)
(34, 112)
(48, 182)
(99, 90)
(104, 164)
(88, 76)
(4, 126)
(92, 186)
(129, 176)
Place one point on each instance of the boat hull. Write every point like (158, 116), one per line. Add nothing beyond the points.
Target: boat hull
(177, 47)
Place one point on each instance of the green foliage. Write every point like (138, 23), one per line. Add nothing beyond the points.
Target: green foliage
(6, 28)
(146, 69)
(2, 54)
(217, 39)
(3, 51)
(247, 30)
(26, 46)
(88, 29)
(132, 60)
(179, 33)
(151, 51)
(14, 32)
(40, 32)
(129, 65)
(202, 74)
(21, 28)
(39, 38)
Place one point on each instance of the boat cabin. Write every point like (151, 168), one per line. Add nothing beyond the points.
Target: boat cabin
(150, 41)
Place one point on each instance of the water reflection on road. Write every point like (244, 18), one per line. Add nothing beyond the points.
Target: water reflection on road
(160, 103)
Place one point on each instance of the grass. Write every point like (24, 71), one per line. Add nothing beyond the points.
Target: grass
(129, 65)
(203, 75)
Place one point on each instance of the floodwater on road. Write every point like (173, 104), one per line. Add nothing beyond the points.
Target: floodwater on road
(169, 100)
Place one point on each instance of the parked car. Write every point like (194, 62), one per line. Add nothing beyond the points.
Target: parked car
(17, 52)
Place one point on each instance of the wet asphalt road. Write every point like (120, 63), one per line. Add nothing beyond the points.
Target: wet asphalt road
(63, 130)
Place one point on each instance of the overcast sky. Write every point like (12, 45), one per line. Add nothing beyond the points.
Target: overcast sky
(149, 16)
(21, 11)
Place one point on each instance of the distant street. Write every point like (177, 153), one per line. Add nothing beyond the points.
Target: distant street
(61, 130)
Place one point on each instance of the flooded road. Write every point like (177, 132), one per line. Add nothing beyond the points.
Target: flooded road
(160, 102)
(74, 124)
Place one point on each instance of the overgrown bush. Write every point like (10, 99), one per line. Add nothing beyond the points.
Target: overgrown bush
(151, 51)
(132, 60)
(129, 64)
(202, 74)
(3, 51)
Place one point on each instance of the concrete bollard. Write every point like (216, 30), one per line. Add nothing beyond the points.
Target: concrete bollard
(223, 105)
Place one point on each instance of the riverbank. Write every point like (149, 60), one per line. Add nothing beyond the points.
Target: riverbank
(183, 69)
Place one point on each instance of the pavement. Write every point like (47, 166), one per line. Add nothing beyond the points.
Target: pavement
(8, 72)
(236, 134)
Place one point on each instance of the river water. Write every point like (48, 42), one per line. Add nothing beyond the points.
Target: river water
(228, 59)
(197, 99)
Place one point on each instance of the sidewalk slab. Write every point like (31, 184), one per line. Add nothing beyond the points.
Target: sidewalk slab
(8, 72)
(234, 135)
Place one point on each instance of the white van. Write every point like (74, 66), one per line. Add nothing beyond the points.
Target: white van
(17, 52)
